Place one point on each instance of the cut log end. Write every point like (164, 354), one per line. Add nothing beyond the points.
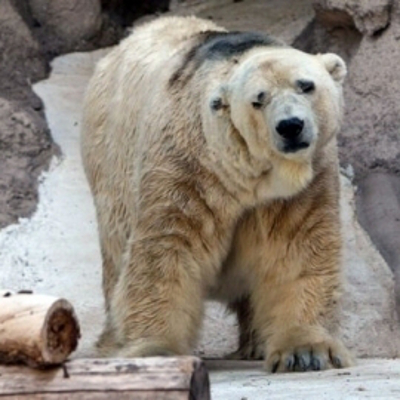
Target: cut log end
(61, 333)
(36, 330)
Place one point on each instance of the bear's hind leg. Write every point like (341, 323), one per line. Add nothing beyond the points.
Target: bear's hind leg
(110, 244)
(250, 347)
(106, 344)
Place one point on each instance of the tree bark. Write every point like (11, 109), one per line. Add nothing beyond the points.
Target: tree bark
(171, 378)
(36, 330)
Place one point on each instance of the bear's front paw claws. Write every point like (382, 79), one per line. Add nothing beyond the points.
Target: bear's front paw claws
(303, 360)
(336, 361)
(314, 358)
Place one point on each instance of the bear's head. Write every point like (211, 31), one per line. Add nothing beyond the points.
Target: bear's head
(279, 105)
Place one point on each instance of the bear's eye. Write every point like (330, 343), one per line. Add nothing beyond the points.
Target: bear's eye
(216, 104)
(259, 101)
(305, 86)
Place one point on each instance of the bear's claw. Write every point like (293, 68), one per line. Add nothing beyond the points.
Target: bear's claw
(313, 358)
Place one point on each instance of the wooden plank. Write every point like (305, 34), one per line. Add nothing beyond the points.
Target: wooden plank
(83, 379)
(153, 395)
(217, 364)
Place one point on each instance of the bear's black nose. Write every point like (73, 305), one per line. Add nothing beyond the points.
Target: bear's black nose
(290, 128)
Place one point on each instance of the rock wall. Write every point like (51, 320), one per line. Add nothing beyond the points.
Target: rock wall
(367, 34)
(25, 143)
(32, 32)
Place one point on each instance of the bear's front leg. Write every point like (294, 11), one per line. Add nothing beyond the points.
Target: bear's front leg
(157, 305)
(290, 316)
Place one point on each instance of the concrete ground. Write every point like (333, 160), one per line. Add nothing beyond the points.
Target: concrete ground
(56, 252)
(371, 379)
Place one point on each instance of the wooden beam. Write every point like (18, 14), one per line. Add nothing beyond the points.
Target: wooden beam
(160, 378)
(218, 364)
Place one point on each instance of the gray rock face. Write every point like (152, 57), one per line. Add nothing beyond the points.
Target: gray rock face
(285, 19)
(21, 58)
(378, 208)
(31, 33)
(368, 320)
(25, 143)
(366, 34)
(72, 20)
(25, 146)
(368, 16)
(370, 137)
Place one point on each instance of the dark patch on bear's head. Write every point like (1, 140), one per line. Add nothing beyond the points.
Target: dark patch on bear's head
(229, 44)
(215, 45)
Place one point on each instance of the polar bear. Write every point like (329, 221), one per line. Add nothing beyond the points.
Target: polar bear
(211, 157)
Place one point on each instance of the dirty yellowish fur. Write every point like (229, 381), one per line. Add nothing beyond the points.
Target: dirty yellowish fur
(195, 199)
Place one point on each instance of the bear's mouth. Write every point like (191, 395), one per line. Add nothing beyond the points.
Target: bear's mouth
(293, 147)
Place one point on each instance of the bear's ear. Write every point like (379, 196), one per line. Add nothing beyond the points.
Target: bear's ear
(335, 66)
(219, 100)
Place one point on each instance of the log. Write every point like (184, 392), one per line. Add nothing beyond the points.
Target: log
(155, 378)
(36, 330)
